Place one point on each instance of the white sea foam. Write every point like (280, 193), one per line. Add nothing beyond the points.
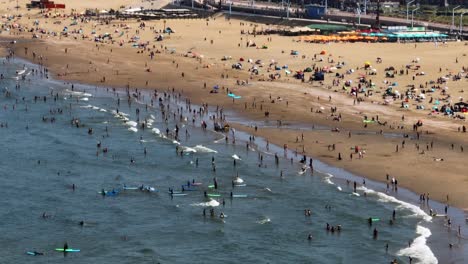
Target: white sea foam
(84, 99)
(134, 129)
(203, 149)
(419, 249)
(211, 203)
(303, 170)
(382, 197)
(264, 221)
(238, 180)
(79, 93)
(156, 131)
(103, 110)
(131, 123)
(236, 157)
(339, 188)
(185, 148)
(327, 179)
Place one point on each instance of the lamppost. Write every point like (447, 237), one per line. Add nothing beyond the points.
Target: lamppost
(407, 10)
(461, 24)
(453, 18)
(358, 10)
(365, 7)
(412, 16)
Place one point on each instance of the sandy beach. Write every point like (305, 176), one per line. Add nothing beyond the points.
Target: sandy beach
(200, 53)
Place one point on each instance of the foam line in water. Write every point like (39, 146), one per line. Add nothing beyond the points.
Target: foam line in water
(303, 170)
(156, 131)
(263, 221)
(328, 177)
(131, 123)
(78, 93)
(419, 249)
(203, 149)
(327, 180)
(84, 99)
(382, 197)
(185, 148)
(211, 203)
(134, 129)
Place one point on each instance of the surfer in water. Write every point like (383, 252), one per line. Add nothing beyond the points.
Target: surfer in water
(65, 247)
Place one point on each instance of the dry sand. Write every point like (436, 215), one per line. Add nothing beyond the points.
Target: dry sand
(89, 62)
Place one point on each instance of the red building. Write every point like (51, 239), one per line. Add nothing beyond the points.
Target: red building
(44, 4)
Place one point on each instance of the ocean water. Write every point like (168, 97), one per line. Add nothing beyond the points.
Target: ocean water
(41, 161)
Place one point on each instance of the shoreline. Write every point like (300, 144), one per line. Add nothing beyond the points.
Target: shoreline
(351, 125)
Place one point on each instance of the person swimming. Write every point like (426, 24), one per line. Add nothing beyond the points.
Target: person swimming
(221, 215)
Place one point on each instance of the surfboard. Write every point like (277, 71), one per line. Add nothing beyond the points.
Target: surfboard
(211, 186)
(375, 219)
(196, 183)
(131, 188)
(178, 194)
(240, 185)
(239, 196)
(34, 253)
(68, 250)
(213, 195)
